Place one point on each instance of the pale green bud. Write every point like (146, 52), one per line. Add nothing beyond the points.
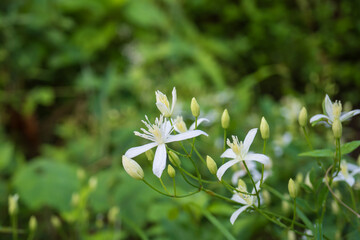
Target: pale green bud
(291, 235)
(264, 129)
(195, 108)
(113, 213)
(55, 221)
(299, 178)
(211, 165)
(132, 168)
(303, 116)
(337, 128)
(32, 223)
(93, 183)
(225, 119)
(171, 171)
(80, 173)
(266, 196)
(335, 207)
(75, 199)
(13, 204)
(285, 206)
(307, 181)
(242, 185)
(174, 159)
(150, 155)
(292, 188)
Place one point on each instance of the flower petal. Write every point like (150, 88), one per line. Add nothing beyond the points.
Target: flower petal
(229, 153)
(174, 98)
(350, 114)
(185, 135)
(159, 160)
(249, 139)
(236, 214)
(199, 121)
(350, 180)
(261, 158)
(224, 167)
(318, 117)
(135, 151)
(329, 107)
(237, 175)
(238, 199)
(163, 109)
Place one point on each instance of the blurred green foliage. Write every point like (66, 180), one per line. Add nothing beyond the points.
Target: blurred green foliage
(76, 77)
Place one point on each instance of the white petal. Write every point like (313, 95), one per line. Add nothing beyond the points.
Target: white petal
(237, 175)
(163, 109)
(229, 153)
(238, 199)
(185, 135)
(235, 215)
(225, 167)
(318, 117)
(249, 139)
(350, 180)
(159, 160)
(174, 98)
(350, 114)
(328, 107)
(261, 158)
(355, 171)
(135, 151)
(351, 166)
(199, 121)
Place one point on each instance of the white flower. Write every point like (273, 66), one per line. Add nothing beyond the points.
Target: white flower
(348, 170)
(245, 199)
(331, 111)
(239, 151)
(180, 126)
(160, 134)
(256, 174)
(163, 104)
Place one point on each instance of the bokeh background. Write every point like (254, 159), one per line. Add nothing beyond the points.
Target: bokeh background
(76, 78)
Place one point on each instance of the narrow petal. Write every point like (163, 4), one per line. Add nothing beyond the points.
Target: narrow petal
(163, 109)
(135, 151)
(238, 199)
(328, 107)
(159, 160)
(237, 175)
(199, 121)
(249, 139)
(225, 167)
(261, 158)
(236, 214)
(185, 135)
(174, 98)
(355, 171)
(351, 166)
(350, 180)
(350, 114)
(318, 117)
(229, 153)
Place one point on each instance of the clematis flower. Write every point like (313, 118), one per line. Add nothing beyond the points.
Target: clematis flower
(160, 134)
(163, 104)
(239, 151)
(332, 111)
(244, 199)
(180, 126)
(347, 173)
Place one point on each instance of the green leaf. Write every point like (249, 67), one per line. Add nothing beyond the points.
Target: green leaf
(318, 153)
(303, 217)
(349, 147)
(46, 183)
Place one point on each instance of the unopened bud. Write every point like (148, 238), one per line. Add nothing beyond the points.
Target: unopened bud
(291, 235)
(225, 119)
(113, 214)
(195, 108)
(171, 171)
(292, 188)
(93, 183)
(174, 159)
(80, 173)
(75, 199)
(264, 129)
(55, 221)
(335, 207)
(150, 155)
(337, 128)
(211, 165)
(337, 108)
(299, 178)
(307, 181)
(32, 223)
(132, 168)
(285, 206)
(242, 185)
(266, 196)
(303, 117)
(13, 204)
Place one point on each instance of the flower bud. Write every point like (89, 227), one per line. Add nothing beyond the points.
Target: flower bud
(32, 223)
(211, 165)
(174, 159)
(75, 199)
(303, 117)
(337, 108)
(335, 207)
(150, 155)
(307, 181)
(13, 204)
(80, 173)
(171, 171)
(291, 235)
(55, 221)
(285, 206)
(242, 185)
(113, 213)
(266, 196)
(264, 129)
(225, 119)
(337, 128)
(93, 183)
(180, 124)
(132, 168)
(299, 178)
(195, 108)
(292, 188)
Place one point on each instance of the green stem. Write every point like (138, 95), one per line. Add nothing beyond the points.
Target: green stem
(199, 155)
(169, 195)
(174, 187)
(14, 226)
(193, 143)
(223, 160)
(293, 221)
(163, 185)
(252, 180)
(262, 169)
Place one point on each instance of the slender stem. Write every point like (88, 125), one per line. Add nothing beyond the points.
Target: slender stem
(252, 180)
(223, 160)
(174, 186)
(293, 221)
(193, 143)
(307, 138)
(168, 195)
(262, 168)
(14, 226)
(163, 185)
(199, 155)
